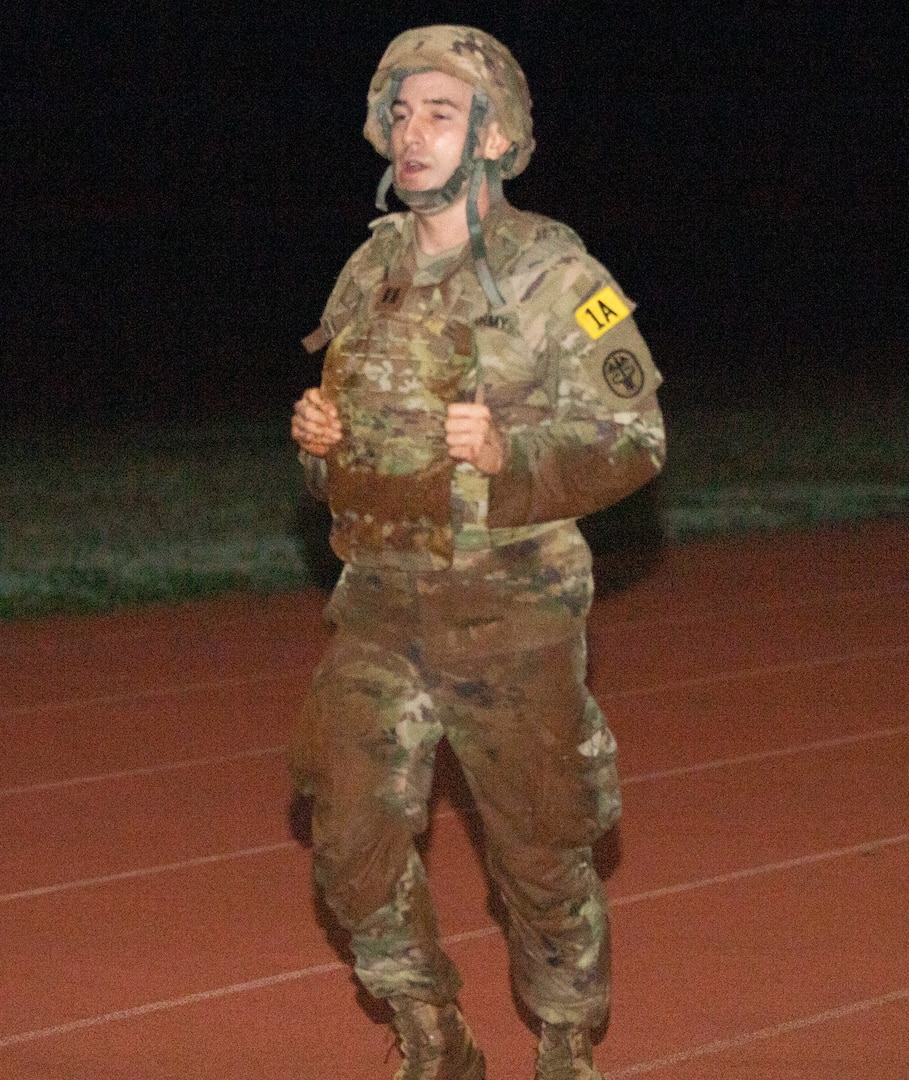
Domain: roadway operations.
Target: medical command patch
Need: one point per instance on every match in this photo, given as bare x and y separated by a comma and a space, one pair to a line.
623, 374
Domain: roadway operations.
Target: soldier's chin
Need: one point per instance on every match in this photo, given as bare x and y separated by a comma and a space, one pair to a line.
414, 181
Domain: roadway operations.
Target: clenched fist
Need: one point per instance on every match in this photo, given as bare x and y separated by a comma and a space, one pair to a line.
315, 426
472, 436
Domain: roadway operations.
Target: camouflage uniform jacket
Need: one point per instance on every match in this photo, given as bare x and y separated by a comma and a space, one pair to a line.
565, 372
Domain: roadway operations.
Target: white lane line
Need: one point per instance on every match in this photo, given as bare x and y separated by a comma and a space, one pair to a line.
146, 871
787, 603
210, 685
169, 1003
146, 770
150, 693
766, 755
438, 816
865, 848
451, 939
618, 695
285, 845
722, 1046
719, 677
139, 1011
730, 762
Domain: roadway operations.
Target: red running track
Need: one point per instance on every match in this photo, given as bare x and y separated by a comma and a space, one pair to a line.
157, 921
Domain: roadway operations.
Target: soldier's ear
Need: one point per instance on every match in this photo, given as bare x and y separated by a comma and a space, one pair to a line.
495, 144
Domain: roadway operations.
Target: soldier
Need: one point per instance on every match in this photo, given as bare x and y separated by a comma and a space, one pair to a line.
484, 386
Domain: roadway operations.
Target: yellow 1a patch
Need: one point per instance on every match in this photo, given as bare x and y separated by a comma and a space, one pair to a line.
602, 312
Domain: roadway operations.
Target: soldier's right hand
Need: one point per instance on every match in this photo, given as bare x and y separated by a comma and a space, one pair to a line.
315, 426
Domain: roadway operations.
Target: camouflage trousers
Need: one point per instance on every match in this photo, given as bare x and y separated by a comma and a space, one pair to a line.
469, 654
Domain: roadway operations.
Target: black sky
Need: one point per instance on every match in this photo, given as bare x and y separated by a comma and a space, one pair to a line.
183, 182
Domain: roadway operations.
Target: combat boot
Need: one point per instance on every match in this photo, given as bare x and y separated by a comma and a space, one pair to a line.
436, 1043
565, 1053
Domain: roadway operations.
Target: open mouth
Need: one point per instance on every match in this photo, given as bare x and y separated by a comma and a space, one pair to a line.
411, 168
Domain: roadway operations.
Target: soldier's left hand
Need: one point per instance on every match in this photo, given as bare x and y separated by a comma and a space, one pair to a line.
472, 436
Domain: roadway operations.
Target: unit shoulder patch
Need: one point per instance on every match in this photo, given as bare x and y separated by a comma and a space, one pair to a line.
604, 310
619, 368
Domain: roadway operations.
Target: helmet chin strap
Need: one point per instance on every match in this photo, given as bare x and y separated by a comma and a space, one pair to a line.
469, 173
475, 229
435, 200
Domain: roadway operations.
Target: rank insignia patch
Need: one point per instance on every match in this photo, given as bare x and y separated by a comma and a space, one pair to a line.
623, 374
602, 312
390, 297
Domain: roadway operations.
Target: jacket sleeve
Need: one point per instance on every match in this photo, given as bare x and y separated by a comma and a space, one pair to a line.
604, 436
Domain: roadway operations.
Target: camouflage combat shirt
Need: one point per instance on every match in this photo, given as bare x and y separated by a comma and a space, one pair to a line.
565, 372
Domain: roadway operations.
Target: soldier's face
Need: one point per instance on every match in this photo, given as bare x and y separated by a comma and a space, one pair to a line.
430, 116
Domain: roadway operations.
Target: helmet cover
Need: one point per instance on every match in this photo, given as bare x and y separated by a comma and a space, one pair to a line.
471, 55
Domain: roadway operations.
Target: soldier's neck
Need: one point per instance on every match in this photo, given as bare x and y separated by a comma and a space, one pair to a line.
440, 232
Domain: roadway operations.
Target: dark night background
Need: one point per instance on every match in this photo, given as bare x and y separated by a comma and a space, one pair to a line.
183, 182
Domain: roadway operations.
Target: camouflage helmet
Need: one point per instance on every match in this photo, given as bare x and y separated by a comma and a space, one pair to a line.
470, 55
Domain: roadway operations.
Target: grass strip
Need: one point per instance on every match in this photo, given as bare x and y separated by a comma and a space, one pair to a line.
131, 515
